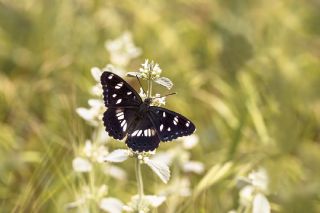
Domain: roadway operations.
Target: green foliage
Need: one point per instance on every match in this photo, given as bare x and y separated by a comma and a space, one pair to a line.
247, 73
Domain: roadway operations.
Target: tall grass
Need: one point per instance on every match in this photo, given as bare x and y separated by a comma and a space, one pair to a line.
246, 72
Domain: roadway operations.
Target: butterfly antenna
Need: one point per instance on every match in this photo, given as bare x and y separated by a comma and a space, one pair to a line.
140, 85
167, 95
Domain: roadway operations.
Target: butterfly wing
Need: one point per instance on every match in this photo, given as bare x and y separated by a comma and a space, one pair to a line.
118, 120
143, 137
170, 125
122, 102
117, 92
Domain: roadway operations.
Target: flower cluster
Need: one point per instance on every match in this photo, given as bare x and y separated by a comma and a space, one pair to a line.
150, 70
254, 189
95, 158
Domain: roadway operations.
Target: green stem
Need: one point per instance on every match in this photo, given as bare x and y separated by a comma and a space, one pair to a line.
149, 86
139, 181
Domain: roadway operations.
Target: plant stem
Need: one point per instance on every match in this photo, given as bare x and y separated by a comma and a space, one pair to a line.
139, 181
149, 86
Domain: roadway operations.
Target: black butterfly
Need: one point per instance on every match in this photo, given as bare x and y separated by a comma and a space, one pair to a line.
144, 125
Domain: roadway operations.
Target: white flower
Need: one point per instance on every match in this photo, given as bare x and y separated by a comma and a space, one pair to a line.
81, 165
122, 49
260, 204
193, 166
246, 195
141, 206
93, 114
96, 152
155, 200
115, 172
178, 187
190, 141
252, 193
96, 73
111, 205
158, 100
259, 179
151, 70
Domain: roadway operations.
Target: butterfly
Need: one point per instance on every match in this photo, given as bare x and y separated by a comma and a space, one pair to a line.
144, 125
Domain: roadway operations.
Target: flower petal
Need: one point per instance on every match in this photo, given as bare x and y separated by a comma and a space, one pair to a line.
193, 166
85, 113
115, 172
190, 141
117, 156
260, 204
81, 165
155, 200
158, 167
96, 73
111, 205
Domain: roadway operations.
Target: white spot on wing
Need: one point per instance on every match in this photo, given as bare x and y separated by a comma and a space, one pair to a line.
139, 132
129, 93
164, 114
169, 129
145, 132
121, 117
125, 127
119, 110
153, 132
134, 133
114, 95
123, 123
188, 124
161, 127
110, 76
119, 114
119, 101
119, 85
175, 120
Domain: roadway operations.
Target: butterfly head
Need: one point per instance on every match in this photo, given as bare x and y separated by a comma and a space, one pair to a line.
148, 101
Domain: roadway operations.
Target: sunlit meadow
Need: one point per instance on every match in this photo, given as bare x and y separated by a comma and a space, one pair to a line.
247, 73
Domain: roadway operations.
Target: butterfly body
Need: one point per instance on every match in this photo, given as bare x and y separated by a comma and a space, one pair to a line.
144, 125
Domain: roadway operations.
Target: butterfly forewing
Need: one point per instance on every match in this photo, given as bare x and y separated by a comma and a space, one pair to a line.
170, 125
143, 137
117, 92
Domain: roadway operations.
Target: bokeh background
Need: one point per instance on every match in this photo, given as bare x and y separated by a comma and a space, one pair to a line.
246, 72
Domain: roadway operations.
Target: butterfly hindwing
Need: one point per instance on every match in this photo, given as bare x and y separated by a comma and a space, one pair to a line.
118, 120
117, 92
143, 137
170, 125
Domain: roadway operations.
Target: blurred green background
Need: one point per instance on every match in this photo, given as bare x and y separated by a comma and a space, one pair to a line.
246, 72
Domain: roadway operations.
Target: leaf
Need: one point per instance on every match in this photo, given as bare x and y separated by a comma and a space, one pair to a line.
158, 167
111, 205
260, 204
214, 175
117, 156
166, 82
134, 74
